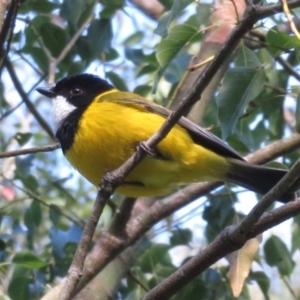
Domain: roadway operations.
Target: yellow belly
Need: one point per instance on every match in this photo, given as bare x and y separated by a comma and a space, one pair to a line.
102, 144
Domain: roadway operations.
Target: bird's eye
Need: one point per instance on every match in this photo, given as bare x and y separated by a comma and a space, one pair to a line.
76, 91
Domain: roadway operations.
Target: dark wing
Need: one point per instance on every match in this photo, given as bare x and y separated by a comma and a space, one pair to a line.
198, 134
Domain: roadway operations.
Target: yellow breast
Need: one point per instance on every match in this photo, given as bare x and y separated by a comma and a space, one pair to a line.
108, 135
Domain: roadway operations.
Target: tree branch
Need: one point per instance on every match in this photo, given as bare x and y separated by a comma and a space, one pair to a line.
220, 247
6, 27
259, 209
121, 217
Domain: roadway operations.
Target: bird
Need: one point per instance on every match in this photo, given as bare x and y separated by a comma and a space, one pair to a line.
99, 127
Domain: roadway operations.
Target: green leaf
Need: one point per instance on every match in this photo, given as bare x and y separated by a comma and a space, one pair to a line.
297, 220
133, 39
71, 10
39, 57
277, 254
117, 81
112, 54
148, 69
180, 236
203, 13
218, 214
263, 282
251, 137
76, 67
33, 215
194, 289
154, 255
296, 11
23, 138
29, 181
59, 239
272, 110
143, 90
295, 237
177, 68
108, 12
99, 36
54, 38
201, 17
23, 166
19, 289
168, 48
278, 42
163, 24
2, 245
28, 260
167, 4
41, 6
247, 58
54, 214
135, 55
118, 4
240, 85
135, 294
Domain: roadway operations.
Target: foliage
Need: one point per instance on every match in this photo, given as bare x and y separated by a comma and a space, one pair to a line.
44, 203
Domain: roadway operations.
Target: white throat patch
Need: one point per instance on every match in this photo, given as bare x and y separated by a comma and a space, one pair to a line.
61, 109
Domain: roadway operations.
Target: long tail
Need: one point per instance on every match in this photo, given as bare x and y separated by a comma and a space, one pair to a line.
259, 179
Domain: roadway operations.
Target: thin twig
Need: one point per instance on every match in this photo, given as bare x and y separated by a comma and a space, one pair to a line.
53, 62
25, 99
7, 26
14, 153
270, 10
80, 222
200, 64
281, 187
41, 43
261, 35
280, 90
24, 58
236, 11
290, 18
287, 284
288, 67
74, 39
137, 281
9, 112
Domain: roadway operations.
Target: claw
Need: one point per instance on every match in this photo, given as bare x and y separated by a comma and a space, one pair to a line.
150, 152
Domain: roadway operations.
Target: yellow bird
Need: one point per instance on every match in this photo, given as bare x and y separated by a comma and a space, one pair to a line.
100, 127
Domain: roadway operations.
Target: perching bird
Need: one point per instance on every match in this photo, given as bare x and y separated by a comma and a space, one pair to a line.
100, 127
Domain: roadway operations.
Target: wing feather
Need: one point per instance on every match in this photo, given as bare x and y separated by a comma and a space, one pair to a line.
198, 134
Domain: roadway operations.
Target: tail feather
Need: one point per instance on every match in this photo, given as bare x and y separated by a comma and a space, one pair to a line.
259, 179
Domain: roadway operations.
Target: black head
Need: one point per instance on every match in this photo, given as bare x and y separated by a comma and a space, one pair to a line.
79, 90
